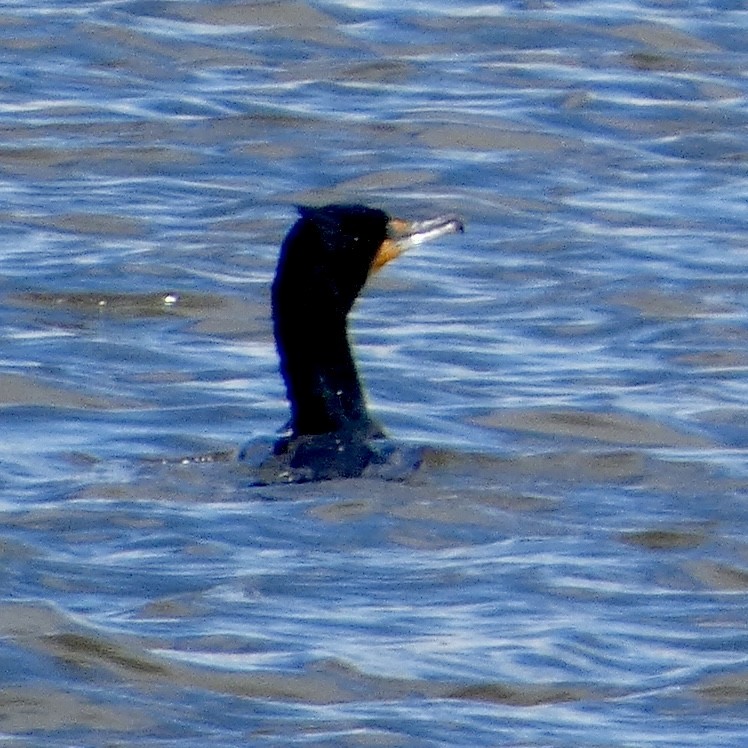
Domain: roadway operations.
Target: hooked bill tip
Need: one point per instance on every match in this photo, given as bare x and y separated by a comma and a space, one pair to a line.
410, 233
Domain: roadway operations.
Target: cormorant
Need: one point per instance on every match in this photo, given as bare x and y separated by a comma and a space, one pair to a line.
324, 263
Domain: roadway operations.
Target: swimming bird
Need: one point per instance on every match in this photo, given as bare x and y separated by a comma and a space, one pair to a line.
325, 261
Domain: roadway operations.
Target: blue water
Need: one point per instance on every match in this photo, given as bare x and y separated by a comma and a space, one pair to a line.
569, 567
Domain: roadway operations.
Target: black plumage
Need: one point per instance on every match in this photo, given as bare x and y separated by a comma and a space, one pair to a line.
324, 263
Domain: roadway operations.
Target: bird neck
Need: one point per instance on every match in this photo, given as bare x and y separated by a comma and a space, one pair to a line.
322, 383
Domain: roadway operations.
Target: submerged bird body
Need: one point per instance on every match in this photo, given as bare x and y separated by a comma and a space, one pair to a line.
324, 263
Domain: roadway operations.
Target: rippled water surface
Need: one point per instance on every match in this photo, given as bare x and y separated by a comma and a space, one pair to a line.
569, 566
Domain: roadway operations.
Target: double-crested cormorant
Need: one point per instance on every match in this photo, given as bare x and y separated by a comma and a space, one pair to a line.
324, 263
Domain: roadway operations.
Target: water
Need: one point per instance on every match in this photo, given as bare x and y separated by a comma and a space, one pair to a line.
569, 566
